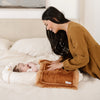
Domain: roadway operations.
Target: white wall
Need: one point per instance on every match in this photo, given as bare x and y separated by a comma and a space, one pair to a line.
91, 17
68, 7
97, 20
21, 13
85, 11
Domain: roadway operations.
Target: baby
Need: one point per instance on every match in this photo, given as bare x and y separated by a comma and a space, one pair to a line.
29, 67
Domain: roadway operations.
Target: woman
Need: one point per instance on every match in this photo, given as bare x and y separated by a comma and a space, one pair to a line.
73, 42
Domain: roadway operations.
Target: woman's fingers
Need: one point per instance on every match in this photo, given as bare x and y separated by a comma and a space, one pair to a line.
51, 68
51, 65
54, 62
41, 60
55, 66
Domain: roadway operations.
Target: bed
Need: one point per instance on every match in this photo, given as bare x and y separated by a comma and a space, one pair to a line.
15, 37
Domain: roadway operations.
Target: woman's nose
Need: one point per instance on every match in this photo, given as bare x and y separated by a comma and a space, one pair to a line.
49, 29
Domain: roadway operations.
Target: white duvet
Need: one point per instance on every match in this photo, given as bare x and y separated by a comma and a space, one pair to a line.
10, 58
89, 88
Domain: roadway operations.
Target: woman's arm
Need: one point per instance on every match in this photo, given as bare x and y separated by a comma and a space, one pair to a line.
79, 49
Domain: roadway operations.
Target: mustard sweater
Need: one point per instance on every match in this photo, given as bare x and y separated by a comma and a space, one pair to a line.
84, 49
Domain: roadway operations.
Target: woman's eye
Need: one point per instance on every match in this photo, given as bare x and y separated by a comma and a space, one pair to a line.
46, 24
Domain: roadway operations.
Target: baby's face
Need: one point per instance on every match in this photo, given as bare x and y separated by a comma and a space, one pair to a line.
22, 67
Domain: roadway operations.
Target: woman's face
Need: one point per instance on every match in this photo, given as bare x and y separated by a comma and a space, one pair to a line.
51, 26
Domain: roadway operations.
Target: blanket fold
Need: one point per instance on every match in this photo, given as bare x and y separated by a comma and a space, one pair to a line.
58, 78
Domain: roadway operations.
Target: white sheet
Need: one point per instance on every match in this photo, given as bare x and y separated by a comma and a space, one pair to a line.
89, 88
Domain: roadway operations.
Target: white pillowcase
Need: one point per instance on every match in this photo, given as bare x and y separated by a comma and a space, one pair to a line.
33, 46
5, 44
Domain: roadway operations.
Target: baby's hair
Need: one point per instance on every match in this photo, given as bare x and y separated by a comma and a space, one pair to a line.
16, 69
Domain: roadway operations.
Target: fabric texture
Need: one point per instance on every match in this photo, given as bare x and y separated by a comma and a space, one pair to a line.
84, 49
89, 86
8, 60
58, 78
5, 44
33, 46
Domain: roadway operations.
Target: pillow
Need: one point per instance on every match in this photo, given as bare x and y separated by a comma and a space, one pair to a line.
33, 46
5, 44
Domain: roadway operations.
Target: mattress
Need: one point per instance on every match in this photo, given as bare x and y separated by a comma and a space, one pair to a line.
88, 89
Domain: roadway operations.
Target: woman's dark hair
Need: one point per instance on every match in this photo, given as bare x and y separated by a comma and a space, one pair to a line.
58, 41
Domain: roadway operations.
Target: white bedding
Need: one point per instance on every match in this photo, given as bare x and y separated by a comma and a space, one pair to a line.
89, 88
19, 52
11, 58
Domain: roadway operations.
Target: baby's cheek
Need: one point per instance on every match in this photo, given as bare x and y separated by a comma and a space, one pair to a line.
27, 68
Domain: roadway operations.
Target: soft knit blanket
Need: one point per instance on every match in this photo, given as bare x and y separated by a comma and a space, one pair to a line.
58, 78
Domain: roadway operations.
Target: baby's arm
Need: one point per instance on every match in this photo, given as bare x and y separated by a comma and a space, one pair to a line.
33, 66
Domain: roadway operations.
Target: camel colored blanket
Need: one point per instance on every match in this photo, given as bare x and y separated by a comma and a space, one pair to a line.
58, 78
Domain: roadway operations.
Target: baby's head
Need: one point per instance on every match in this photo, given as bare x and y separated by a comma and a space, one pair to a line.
16, 69
21, 68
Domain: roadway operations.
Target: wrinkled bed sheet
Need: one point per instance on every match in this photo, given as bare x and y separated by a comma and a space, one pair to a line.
88, 89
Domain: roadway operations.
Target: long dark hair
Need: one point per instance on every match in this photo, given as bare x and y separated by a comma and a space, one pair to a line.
58, 41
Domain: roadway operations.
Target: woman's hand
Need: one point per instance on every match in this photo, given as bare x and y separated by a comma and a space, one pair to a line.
55, 66
54, 62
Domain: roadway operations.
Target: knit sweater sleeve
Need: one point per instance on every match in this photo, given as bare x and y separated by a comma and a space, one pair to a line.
79, 48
